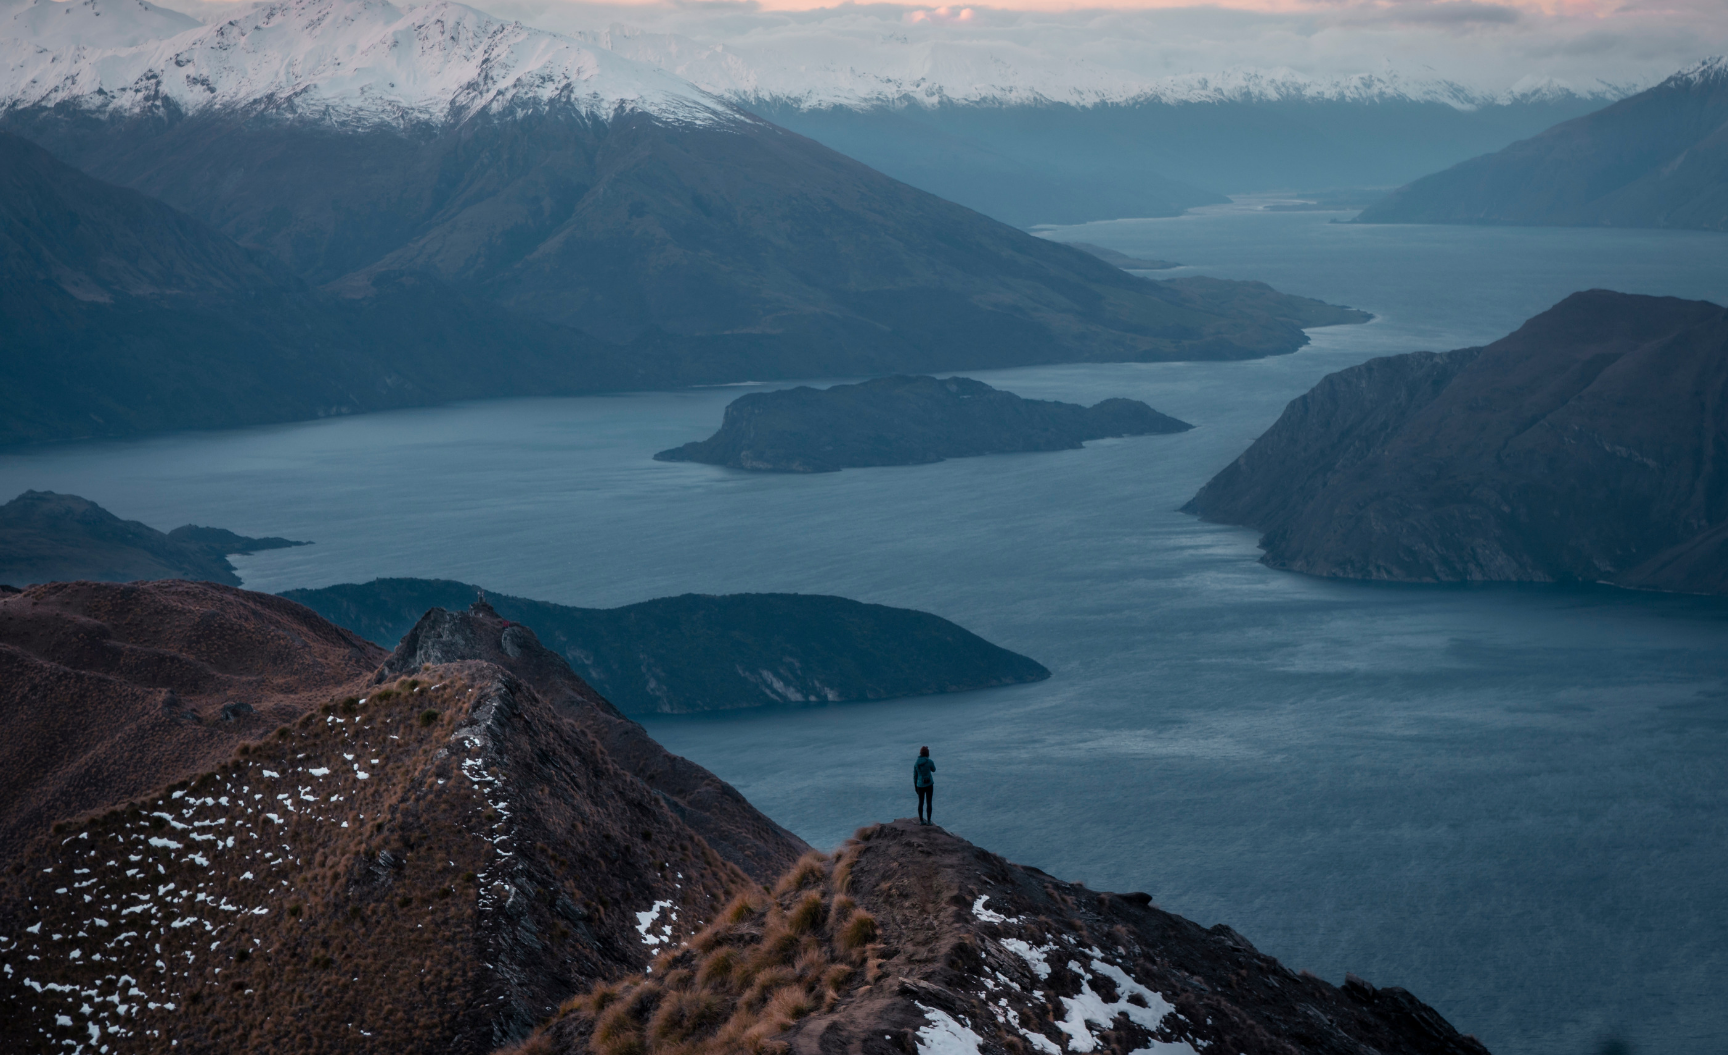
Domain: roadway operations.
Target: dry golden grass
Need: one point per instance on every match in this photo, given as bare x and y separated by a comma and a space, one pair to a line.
767, 961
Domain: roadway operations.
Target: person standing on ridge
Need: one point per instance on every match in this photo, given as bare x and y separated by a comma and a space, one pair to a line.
924, 783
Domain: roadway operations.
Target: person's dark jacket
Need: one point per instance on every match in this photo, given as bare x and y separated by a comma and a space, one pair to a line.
922, 771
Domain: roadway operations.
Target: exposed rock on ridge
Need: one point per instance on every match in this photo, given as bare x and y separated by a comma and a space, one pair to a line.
710, 806
1587, 446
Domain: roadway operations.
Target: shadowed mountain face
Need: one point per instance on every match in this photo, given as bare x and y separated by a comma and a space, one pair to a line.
121, 315
700, 652
46, 536
910, 939
713, 252
903, 421
1657, 159
1588, 446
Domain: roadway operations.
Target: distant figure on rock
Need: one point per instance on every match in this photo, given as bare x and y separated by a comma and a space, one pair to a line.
924, 783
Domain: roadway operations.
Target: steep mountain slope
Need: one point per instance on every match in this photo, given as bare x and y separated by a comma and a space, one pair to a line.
1587, 446
469, 829
112, 691
903, 421
119, 315
45, 537
358, 142
910, 939
1657, 159
703, 652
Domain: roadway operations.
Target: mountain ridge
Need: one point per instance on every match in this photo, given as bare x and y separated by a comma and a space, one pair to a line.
1655, 159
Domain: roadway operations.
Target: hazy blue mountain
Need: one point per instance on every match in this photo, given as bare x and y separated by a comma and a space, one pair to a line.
1056, 163
1657, 159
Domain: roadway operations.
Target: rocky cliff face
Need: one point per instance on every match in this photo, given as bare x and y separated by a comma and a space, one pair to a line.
909, 939
1657, 159
1585, 447
903, 421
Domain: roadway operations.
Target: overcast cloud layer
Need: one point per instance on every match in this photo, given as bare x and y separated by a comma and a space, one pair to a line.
1588, 46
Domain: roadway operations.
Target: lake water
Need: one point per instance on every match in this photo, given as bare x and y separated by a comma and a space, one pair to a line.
1513, 801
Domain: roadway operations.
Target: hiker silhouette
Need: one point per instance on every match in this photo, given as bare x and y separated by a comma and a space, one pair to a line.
924, 783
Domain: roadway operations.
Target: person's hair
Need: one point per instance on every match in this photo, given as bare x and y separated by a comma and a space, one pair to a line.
924, 751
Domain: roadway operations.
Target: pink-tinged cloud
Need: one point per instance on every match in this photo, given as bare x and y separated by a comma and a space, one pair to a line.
943, 15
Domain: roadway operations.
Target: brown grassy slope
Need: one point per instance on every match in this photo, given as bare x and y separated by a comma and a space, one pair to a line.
912, 938
431, 868
109, 691
741, 833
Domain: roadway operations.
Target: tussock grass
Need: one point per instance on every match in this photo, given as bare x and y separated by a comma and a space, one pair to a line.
768, 960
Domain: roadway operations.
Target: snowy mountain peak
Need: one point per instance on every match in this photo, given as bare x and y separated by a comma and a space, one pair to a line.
60, 25
1714, 68
816, 67
347, 62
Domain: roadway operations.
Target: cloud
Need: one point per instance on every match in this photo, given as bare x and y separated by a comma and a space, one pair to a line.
943, 15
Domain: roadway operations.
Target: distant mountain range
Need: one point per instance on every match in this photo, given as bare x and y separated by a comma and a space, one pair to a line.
1588, 446
1022, 133
1657, 159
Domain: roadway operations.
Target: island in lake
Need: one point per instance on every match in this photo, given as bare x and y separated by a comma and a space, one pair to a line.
905, 421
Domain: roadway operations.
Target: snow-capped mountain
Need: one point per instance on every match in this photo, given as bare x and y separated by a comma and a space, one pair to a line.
817, 70
348, 62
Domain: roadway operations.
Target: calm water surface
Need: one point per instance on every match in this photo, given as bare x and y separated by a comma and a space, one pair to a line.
1509, 800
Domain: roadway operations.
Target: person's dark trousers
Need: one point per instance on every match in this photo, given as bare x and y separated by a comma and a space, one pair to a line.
926, 802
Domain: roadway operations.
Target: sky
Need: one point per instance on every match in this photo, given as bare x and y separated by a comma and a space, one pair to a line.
1628, 44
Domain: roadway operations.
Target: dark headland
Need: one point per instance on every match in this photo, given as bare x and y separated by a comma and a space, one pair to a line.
705, 652
904, 421
46, 536
503, 861
1588, 446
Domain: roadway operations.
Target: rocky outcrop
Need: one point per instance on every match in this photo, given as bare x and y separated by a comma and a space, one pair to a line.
1657, 159
1588, 446
903, 421
909, 939
703, 652
47, 537
742, 834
